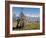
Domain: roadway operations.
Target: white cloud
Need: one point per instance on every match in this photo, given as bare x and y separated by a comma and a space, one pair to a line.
17, 15
32, 15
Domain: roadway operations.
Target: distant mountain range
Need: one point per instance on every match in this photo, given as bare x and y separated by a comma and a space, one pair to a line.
31, 18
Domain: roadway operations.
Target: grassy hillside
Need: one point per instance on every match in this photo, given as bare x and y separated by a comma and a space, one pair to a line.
30, 26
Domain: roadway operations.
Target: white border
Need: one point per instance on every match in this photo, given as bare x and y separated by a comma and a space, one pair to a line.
27, 31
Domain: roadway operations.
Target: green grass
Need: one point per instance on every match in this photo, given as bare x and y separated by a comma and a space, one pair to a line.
31, 26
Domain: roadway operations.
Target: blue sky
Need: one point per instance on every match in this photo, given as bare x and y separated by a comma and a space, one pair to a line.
33, 12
